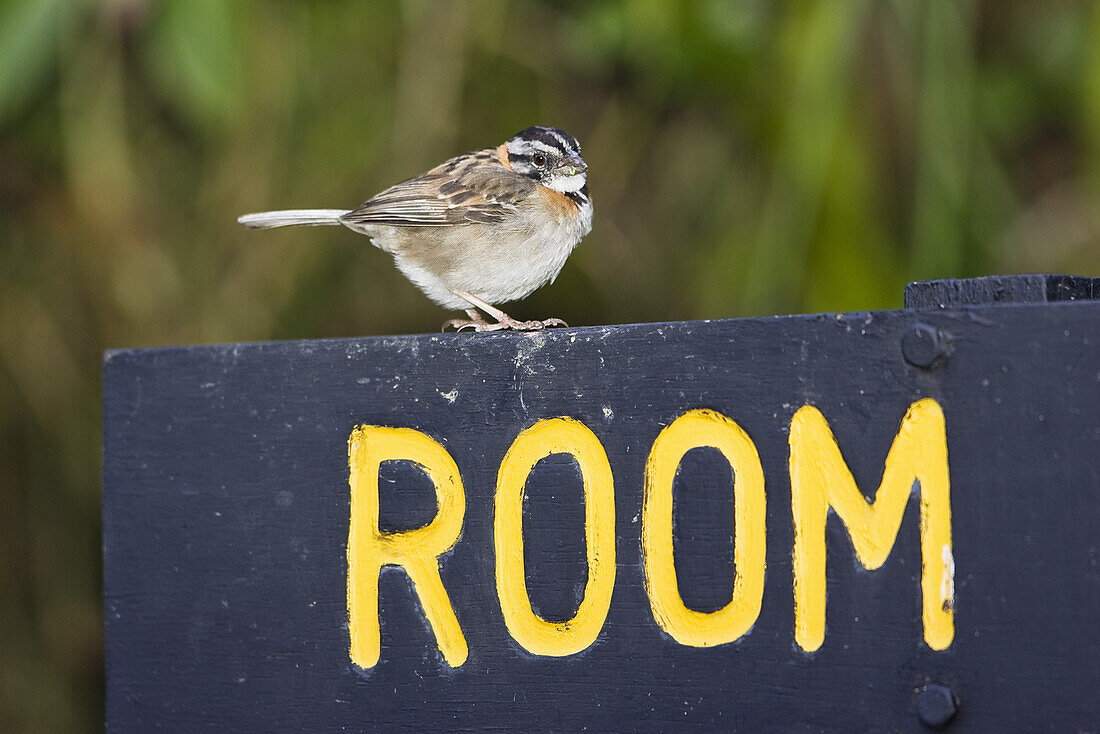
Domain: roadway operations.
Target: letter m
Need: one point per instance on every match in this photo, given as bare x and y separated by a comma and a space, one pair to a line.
820, 480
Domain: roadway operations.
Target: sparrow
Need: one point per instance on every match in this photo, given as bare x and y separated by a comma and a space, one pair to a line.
478, 230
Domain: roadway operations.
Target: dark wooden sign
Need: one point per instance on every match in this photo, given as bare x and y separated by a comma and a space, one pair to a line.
871, 521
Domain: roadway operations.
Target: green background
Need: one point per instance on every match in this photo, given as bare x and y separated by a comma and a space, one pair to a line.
746, 158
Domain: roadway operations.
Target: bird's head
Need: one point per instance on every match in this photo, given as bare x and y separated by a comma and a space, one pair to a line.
550, 156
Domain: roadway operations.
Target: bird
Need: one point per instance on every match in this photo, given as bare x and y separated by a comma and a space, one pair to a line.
481, 229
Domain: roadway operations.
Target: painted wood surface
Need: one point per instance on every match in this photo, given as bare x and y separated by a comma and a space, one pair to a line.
227, 512
1026, 288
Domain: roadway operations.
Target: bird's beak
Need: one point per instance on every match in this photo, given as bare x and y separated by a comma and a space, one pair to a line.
572, 165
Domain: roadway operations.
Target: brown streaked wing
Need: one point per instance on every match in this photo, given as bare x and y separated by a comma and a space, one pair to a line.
472, 188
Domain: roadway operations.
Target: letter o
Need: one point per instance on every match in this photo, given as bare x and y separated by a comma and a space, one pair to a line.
537, 635
694, 429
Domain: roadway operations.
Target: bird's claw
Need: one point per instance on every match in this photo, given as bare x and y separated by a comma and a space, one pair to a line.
464, 324
502, 325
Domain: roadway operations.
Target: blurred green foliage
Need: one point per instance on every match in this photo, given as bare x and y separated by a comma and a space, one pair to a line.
745, 158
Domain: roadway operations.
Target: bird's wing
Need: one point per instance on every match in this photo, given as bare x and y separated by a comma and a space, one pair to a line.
472, 188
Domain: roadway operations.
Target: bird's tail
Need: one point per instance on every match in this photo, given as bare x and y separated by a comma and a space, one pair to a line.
291, 217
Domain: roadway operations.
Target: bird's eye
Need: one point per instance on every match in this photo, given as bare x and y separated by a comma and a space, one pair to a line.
538, 159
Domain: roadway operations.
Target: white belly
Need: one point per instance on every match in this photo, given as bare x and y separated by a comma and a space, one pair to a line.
495, 262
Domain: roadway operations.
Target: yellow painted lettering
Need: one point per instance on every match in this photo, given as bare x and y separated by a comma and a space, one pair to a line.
416, 551
536, 635
694, 429
820, 479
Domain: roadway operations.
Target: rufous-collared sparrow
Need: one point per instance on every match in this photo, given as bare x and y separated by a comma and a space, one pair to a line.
481, 229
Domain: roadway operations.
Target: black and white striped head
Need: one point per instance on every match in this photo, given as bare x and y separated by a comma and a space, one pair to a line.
550, 156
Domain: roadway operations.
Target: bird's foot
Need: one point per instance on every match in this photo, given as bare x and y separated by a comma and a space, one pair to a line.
475, 322
507, 322
466, 324
503, 320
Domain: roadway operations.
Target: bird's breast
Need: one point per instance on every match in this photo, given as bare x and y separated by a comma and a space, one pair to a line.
498, 261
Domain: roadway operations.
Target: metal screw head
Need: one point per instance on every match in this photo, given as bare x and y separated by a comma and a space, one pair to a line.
923, 345
936, 705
